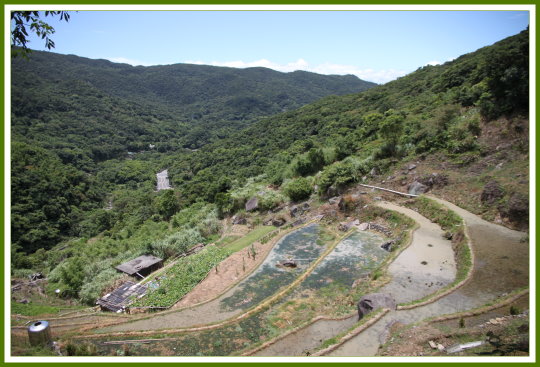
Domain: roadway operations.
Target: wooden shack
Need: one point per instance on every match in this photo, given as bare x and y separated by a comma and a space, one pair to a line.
121, 297
141, 266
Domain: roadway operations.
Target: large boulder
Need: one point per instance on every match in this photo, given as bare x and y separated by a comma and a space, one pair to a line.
238, 220
491, 192
252, 204
294, 211
388, 245
334, 200
36, 276
278, 222
434, 180
288, 264
517, 208
345, 226
364, 226
374, 301
417, 188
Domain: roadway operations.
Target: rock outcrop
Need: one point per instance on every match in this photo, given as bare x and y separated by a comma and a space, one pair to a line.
276, 222
299, 209
517, 208
491, 192
345, 226
252, 204
417, 188
374, 301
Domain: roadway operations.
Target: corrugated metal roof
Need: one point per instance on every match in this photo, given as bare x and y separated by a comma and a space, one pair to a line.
142, 262
122, 296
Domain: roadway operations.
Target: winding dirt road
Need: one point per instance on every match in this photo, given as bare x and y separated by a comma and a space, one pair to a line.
501, 266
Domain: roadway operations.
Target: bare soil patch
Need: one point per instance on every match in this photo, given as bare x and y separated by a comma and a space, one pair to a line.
229, 272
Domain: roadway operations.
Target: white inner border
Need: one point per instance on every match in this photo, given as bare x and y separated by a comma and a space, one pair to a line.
7, 189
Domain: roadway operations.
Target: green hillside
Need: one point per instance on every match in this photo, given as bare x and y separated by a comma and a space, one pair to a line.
465, 121
435, 109
93, 116
171, 106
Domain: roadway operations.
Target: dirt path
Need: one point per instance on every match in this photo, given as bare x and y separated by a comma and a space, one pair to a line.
163, 180
501, 266
426, 265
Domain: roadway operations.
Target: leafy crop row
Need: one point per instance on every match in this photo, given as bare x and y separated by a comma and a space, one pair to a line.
179, 279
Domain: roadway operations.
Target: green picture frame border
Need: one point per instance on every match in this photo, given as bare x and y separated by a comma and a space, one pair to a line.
244, 2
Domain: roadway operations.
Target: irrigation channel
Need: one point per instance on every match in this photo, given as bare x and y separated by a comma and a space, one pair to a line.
500, 266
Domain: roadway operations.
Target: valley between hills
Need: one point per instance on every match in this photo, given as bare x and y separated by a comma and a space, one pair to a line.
290, 214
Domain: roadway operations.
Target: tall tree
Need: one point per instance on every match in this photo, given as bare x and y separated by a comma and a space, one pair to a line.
25, 21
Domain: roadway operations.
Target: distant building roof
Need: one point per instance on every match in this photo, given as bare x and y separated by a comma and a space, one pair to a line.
140, 263
122, 296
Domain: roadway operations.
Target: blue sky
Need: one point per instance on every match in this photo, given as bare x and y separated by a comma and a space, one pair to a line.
374, 45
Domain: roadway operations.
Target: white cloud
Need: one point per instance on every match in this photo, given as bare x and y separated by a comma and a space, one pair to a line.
435, 62
380, 76
123, 60
377, 76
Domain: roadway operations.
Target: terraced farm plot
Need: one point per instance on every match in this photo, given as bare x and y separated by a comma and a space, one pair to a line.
300, 245
217, 342
180, 278
237, 243
333, 288
354, 257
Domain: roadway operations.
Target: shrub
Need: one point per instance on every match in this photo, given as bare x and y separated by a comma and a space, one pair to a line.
309, 163
176, 243
514, 310
270, 199
298, 189
339, 174
91, 291
210, 225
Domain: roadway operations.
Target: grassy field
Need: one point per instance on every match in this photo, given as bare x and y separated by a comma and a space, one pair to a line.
248, 239
227, 240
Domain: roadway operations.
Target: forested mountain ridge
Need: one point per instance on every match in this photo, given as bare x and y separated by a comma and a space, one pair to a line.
415, 114
199, 102
78, 119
